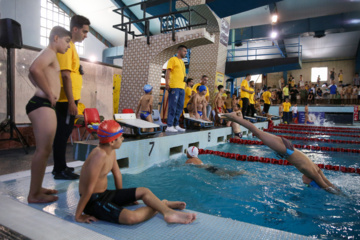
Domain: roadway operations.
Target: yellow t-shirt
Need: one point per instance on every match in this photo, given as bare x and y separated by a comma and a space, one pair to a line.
177, 73
244, 84
286, 91
340, 77
198, 84
286, 106
266, 97
240, 103
70, 61
292, 83
251, 96
188, 92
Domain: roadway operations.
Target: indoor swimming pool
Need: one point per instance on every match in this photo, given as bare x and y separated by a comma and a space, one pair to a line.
268, 195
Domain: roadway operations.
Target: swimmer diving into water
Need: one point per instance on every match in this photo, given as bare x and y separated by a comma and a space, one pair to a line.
284, 148
192, 154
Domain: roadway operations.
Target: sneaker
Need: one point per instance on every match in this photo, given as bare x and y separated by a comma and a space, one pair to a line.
66, 175
180, 129
171, 129
71, 169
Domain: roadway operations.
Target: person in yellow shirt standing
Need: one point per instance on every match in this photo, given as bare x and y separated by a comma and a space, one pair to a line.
286, 111
245, 94
267, 103
188, 93
66, 107
286, 91
175, 83
251, 110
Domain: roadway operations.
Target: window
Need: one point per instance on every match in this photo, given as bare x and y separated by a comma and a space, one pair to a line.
321, 71
256, 78
50, 16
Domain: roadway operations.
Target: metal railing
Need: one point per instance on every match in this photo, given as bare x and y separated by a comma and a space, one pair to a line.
254, 53
169, 18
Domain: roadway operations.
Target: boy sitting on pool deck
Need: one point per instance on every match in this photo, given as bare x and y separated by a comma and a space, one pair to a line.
99, 203
192, 154
44, 75
285, 149
145, 105
197, 104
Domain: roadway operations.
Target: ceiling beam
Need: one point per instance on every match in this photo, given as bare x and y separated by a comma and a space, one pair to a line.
128, 13
71, 13
343, 22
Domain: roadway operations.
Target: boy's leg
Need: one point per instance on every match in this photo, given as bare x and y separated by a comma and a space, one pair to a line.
44, 126
150, 119
154, 204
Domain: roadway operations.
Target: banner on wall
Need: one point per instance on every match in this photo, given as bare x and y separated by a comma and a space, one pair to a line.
116, 92
314, 117
356, 113
224, 32
219, 80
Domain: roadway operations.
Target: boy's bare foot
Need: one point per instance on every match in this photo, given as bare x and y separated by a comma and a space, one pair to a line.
179, 217
42, 198
48, 191
175, 204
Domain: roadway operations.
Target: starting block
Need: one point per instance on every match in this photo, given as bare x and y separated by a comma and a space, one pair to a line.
273, 117
190, 122
133, 125
251, 119
260, 118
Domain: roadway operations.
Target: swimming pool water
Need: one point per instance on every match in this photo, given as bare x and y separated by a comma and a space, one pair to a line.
268, 195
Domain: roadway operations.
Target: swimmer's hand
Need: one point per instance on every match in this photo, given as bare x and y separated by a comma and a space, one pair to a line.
53, 99
233, 116
86, 218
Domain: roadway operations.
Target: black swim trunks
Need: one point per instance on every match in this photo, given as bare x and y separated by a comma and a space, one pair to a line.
211, 169
289, 149
239, 134
37, 102
107, 205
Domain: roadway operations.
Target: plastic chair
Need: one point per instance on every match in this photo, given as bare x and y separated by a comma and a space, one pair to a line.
127, 110
157, 119
92, 121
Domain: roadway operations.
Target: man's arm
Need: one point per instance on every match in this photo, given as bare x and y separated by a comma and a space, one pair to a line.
37, 74
138, 107
95, 164
65, 75
151, 104
167, 79
117, 174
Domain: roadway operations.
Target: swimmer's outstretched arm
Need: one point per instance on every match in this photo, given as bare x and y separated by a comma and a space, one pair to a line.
272, 141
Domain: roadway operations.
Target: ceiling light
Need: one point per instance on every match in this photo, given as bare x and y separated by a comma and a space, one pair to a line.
92, 58
274, 18
273, 34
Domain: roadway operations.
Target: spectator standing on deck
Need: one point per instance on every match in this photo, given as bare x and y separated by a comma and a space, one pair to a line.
340, 77
175, 83
333, 90
70, 94
356, 80
303, 95
286, 91
332, 75
188, 93
245, 94
286, 111
293, 93
301, 82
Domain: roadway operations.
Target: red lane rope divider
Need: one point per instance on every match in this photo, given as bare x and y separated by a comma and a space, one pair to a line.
319, 127
319, 139
239, 157
311, 133
310, 147
315, 129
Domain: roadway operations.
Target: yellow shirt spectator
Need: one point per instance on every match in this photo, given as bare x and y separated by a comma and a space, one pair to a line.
286, 91
188, 92
198, 84
286, 106
244, 84
251, 96
292, 83
240, 103
177, 74
70, 61
266, 97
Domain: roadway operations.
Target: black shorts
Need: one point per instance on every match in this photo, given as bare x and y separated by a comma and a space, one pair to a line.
107, 206
266, 108
37, 102
211, 169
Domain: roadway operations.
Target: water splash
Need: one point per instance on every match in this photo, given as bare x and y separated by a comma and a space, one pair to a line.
319, 121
